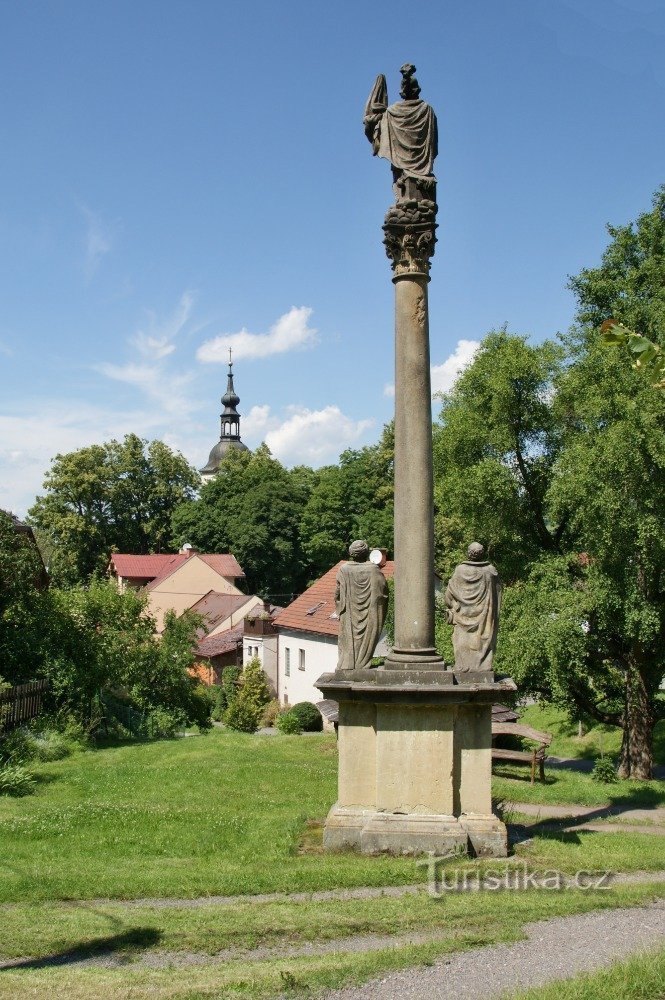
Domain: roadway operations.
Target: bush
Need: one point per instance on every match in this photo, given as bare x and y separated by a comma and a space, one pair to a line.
270, 713
219, 705
51, 745
230, 684
163, 723
16, 780
289, 724
308, 716
242, 716
17, 747
255, 686
604, 770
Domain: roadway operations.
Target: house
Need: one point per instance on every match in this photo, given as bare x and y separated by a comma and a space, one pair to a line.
175, 582
246, 633
308, 629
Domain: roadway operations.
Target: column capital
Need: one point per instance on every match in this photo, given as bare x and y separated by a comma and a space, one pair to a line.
409, 237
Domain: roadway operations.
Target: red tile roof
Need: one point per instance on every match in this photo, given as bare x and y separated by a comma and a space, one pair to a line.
159, 566
215, 607
312, 611
224, 642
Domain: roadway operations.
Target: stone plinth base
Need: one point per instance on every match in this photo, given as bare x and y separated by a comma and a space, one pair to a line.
415, 759
415, 833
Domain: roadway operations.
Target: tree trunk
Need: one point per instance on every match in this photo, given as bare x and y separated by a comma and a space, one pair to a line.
636, 759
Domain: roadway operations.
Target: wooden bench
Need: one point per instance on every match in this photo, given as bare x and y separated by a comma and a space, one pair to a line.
533, 757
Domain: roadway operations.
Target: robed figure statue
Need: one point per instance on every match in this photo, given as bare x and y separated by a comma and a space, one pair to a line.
361, 599
406, 134
473, 599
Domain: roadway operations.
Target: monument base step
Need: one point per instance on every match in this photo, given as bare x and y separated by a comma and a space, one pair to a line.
374, 832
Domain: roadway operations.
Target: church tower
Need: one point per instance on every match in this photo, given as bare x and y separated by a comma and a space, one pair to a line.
230, 429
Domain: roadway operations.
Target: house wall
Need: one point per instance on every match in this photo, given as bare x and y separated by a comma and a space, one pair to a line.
185, 587
320, 658
265, 648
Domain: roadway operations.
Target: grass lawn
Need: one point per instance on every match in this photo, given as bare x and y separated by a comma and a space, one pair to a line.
227, 814
641, 978
600, 740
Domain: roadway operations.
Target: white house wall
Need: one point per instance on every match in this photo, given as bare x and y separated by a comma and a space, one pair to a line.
265, 648
320, 657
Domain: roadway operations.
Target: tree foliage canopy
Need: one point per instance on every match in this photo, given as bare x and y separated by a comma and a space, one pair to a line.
118, 496
554, 457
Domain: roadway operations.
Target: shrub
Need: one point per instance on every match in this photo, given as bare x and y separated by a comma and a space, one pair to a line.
230, 684
270, 713
242, 716
604, 770
52, 745
308, 716
254, 688
289, 724
16, 780
163, 723
219, 705
17, 747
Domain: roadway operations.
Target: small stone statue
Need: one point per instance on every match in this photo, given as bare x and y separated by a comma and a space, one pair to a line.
361, 599
473, 599
406, 134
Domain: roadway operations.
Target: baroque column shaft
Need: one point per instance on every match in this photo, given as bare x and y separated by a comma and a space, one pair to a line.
414, 521
409, 239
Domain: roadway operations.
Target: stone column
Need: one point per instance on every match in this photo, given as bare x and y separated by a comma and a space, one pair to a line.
409, 239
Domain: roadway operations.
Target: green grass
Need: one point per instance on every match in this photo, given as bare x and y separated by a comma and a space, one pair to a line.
511, 783
639, 978
227, 814
215, 814
65, 930
598, 741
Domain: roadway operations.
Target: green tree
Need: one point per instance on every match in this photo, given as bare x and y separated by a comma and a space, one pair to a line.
251, 508
118, 496
351, 500
21, 574
495, 443
560, 470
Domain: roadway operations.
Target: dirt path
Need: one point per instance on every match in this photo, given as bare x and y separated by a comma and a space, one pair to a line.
555, 949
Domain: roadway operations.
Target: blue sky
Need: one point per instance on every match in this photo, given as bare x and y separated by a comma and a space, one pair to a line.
179, 172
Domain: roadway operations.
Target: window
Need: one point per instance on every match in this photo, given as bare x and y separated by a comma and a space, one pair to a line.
301, 659
287, 662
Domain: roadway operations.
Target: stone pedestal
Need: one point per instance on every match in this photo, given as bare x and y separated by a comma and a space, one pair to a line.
414, 762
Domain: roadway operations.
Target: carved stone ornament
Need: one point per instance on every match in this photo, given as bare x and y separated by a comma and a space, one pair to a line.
409, 236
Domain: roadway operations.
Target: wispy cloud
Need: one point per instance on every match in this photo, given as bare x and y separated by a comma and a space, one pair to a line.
151, 374
98, 239
158, 340
291, 332
445, 375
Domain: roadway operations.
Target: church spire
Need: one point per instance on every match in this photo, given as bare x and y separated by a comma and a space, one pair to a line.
230, 427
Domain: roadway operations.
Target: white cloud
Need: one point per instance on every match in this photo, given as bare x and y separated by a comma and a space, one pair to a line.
445, 375
256, 422
98, 240
313, 437
290, 333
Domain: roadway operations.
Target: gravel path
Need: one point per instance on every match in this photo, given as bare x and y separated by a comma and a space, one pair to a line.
555, 949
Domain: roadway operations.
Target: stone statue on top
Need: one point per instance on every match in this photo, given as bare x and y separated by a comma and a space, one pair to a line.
361, 599
404, 133
473, 600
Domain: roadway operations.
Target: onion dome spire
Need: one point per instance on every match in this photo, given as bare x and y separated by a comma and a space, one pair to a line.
230, 427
